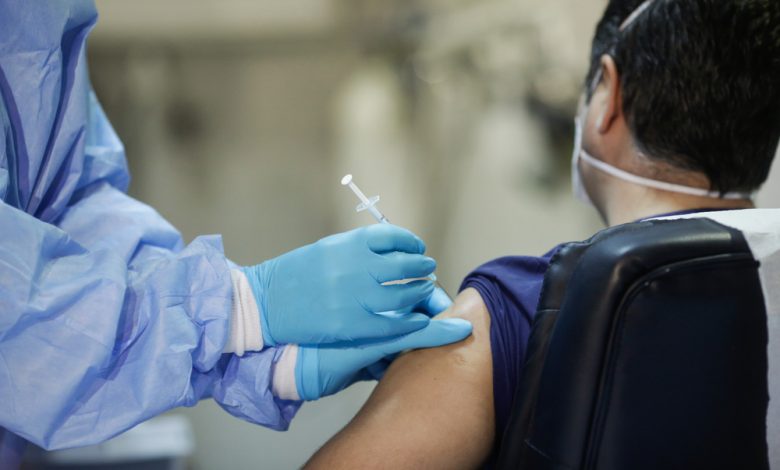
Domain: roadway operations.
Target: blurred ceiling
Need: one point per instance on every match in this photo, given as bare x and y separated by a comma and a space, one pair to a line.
188, 20
512, 48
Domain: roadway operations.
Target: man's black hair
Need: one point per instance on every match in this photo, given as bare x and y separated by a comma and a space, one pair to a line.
700, 82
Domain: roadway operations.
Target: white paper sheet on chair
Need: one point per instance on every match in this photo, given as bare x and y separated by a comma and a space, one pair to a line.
761, 228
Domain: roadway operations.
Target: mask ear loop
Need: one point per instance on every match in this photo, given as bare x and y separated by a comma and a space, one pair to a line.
623, 26
635, 14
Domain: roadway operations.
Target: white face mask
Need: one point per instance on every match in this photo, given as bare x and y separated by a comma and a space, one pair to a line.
578, 187
581, 193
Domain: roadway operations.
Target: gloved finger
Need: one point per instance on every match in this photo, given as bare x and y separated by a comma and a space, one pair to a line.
365, 375
384, 326
385, 238
397, 266
434, 304
381, 298
410, 309
377, 370
437, 333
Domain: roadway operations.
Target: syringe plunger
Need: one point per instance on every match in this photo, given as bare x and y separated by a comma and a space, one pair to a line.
366, 203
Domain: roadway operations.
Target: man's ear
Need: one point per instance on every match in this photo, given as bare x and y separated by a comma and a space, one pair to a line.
612, 100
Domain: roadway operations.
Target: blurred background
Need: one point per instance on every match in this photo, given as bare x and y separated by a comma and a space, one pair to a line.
240, 117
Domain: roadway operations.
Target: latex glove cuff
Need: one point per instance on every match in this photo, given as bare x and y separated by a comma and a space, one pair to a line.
258, 288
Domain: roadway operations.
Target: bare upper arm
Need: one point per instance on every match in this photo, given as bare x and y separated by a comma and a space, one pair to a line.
432, 409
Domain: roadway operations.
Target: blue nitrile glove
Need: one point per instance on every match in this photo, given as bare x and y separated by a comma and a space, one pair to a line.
432, 305
325, 370
331, 290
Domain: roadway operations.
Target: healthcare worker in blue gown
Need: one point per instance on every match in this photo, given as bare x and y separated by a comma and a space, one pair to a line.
107, 319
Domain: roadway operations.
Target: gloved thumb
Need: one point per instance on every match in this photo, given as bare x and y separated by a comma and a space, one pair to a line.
437, 333
377, 370
435, 303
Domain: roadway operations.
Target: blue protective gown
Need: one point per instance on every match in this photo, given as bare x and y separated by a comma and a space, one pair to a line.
106, 318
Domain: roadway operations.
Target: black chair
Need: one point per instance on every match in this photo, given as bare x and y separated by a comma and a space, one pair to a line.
648, 351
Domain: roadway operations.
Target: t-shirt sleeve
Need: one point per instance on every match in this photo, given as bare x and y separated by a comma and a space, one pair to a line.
510, 288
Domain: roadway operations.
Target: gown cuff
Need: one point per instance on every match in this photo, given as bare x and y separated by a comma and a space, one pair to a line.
283, 382
246, 333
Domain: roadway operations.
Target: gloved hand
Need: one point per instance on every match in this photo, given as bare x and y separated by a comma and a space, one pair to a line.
325, 370
331, 290
432, 305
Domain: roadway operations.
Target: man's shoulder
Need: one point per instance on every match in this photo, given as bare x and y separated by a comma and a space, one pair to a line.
511, 269
510, 285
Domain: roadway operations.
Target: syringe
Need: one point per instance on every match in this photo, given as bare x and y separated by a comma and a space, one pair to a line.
369, 204
365, 203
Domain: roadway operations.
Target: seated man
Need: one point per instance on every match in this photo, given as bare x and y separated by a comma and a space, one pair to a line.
681, 113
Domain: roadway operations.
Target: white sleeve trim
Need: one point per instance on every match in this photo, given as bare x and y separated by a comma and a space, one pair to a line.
283, 381
246, 334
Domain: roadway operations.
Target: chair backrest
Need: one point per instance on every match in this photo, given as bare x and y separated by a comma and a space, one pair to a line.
648, 351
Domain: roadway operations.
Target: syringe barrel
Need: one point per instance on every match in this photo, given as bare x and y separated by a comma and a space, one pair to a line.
359, 193
378, 215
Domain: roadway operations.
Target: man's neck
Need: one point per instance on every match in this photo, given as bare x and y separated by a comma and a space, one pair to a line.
635, 203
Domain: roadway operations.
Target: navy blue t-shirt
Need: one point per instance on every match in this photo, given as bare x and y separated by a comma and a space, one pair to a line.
510, 288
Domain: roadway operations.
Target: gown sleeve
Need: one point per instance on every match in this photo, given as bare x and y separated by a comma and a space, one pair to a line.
106, 317
107, 320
